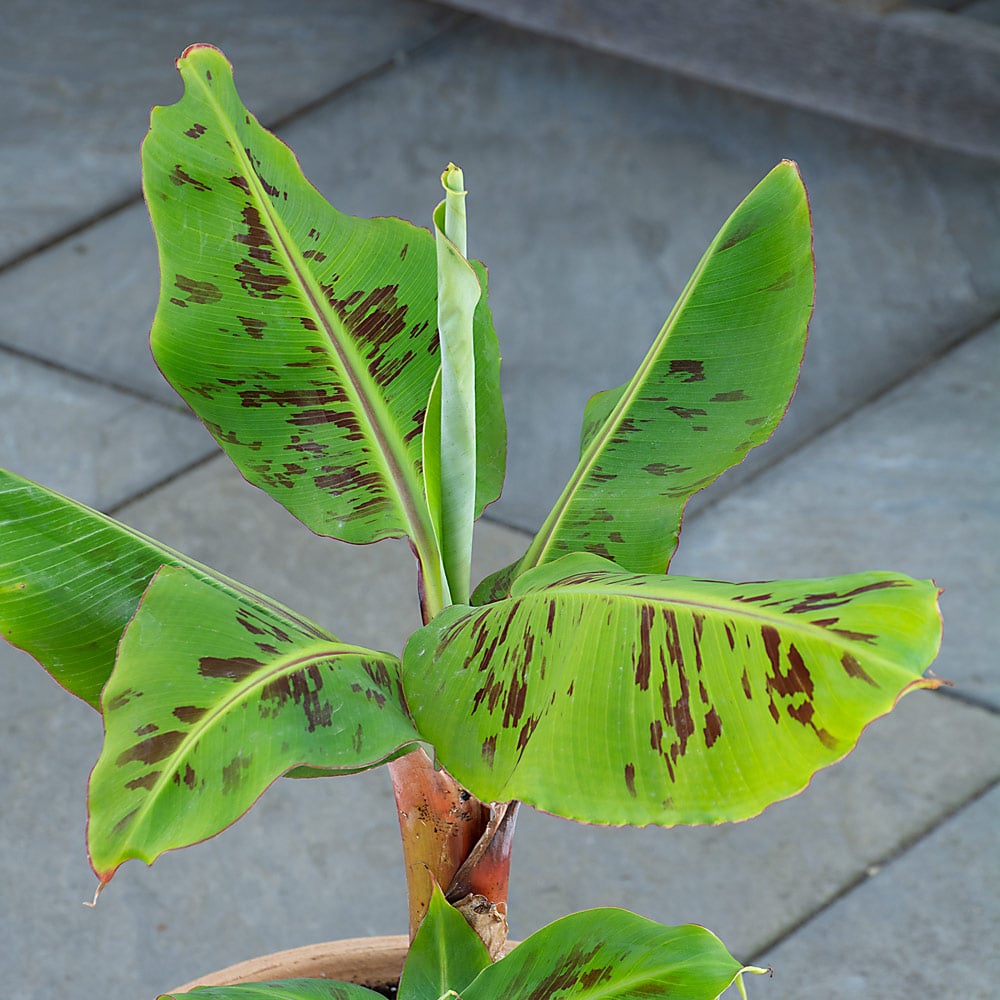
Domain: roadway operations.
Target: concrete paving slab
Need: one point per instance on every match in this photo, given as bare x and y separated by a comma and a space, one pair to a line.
87, 441
320, 859
583, 273
88, 303
909, 483
879, 62
925, 925
79, 80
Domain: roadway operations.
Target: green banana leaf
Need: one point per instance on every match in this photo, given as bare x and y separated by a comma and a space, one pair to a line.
280, 989
612, 697
608, 952
213, 697
305, 339
71, 579
715, 383
446, 954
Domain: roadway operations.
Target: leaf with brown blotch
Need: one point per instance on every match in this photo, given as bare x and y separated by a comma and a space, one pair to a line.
305, 339
613, 697
212, 698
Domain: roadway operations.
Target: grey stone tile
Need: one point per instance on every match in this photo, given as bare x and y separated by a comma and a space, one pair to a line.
79, 80
909, 483
925, 925
88, 304
94, 315
983, 10
92, 443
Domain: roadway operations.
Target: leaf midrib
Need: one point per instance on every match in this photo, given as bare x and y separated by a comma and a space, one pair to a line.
736, 609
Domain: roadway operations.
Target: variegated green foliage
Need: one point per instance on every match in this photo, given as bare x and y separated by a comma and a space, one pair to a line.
281, 989
304, 338
613, 697
446, 954
715, 383
71, 579
212, 698
605, 953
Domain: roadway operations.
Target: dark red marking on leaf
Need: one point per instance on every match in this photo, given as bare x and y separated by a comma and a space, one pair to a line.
854, 669
713, 727
188, 713
527, 730
180, 178
730, 636
255, 163
754, 421
234, 773
693, 370
745, 681
189, 778
489, 750
255, 283
145, 730
257, 238
686, 413
738, 236
781, 283
146, 781
123, 823
253, 326
296, 687
656, 735
562, 981
867, 637
644, 661
595, 977
196, 131
736, 396
803, 714
152, 749
240, 182
598, 549
199, 292
699, 427
266, 647
121, 699
230, 668
630, 779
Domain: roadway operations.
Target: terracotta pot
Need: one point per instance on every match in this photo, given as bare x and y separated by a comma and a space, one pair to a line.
375, 962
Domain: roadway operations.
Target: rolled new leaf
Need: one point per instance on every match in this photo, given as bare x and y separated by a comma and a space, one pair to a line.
212, 698
454, 398
613, 697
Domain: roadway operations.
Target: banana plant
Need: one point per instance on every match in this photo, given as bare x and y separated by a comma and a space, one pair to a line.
350, 369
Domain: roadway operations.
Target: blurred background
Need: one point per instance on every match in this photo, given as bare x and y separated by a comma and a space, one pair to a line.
603, 145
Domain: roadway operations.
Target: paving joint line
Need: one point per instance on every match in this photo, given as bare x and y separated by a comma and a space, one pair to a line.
115, 509
450, 22
872, 870
17, 352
